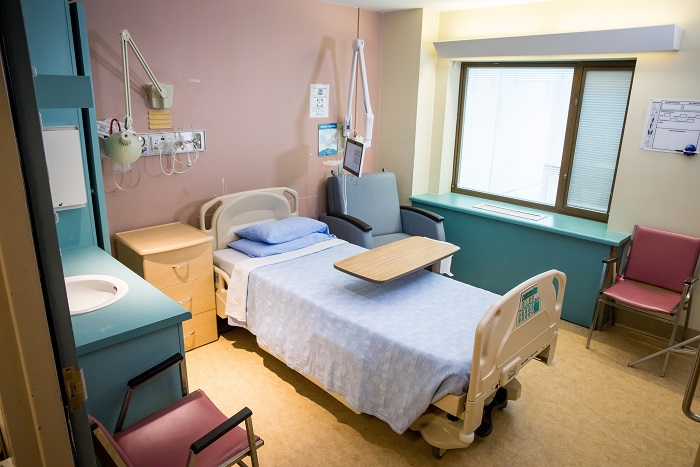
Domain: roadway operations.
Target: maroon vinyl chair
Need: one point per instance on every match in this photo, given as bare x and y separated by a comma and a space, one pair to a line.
656, 279
189, 432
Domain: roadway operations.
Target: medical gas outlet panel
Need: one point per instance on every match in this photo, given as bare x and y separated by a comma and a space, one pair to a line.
169, 142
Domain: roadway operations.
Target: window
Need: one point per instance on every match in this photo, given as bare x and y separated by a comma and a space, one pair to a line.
545, 135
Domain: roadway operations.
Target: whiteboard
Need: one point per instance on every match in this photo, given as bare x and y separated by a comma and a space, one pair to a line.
671, 125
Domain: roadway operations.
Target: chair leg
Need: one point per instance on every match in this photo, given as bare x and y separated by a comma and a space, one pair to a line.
251, 442
673, 348
593, 321
688, 304
670, 343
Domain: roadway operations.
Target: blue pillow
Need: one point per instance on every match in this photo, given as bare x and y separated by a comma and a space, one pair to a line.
262, 249
283, 230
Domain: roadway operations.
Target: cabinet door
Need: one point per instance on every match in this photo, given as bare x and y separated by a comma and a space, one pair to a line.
107, 371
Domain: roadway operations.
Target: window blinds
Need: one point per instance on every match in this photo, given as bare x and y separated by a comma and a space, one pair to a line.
597, 144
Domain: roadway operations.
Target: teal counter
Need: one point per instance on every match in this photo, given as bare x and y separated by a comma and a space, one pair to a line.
144, 309
119, 341
499, 251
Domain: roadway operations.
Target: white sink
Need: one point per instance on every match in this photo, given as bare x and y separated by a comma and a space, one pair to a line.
92, 292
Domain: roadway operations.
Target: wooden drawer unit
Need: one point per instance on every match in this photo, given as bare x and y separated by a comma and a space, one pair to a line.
177, 259
178, 266
196, 296
200, 330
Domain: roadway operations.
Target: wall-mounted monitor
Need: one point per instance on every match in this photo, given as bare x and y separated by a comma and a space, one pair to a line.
354, 157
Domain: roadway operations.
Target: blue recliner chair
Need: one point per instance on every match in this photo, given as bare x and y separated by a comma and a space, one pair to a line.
374, 216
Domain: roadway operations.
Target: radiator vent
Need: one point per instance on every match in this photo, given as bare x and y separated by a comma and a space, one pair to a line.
510, 212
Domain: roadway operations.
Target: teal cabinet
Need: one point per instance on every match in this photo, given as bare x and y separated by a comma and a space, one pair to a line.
107, 370
59, 54
119, 341
498, 252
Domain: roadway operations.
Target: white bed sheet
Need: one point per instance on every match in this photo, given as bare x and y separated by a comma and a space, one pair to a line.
227, 259
238, 268
390, 349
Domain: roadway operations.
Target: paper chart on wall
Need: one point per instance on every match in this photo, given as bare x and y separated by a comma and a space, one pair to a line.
318, 104
671, 125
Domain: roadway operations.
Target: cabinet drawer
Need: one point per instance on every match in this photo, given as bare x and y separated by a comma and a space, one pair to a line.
200, 329
178, 266
196, 296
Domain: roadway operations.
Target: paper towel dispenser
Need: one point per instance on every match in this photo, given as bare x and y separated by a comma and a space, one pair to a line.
64, 159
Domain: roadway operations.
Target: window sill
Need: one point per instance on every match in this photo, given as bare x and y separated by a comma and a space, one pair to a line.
557, 223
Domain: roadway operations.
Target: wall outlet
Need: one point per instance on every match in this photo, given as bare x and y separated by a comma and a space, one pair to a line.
174, 141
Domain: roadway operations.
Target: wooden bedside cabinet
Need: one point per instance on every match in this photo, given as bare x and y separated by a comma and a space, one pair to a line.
177, 259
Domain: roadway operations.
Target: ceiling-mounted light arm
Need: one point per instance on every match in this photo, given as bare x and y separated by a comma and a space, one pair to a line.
358, 47
127, 40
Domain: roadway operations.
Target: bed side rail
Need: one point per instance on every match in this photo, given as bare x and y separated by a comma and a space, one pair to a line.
221, 281
518, 327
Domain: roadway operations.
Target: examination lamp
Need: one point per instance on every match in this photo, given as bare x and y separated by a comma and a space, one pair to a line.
125, 146
358, 47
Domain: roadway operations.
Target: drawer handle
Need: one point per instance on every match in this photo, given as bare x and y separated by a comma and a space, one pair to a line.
181, 266
185, 301
189, 335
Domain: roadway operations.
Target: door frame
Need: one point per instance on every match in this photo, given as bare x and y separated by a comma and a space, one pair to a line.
40, 334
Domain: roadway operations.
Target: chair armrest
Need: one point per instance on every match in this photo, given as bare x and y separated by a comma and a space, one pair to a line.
154, 371
429, 214
690, 281
206, 440
133, 383
349, 228
415, 221
609, 260
365, 227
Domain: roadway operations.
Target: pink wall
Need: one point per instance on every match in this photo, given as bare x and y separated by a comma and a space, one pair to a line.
241, 71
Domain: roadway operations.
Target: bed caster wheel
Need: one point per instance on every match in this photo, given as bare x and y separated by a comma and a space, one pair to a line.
438, 453
500, 401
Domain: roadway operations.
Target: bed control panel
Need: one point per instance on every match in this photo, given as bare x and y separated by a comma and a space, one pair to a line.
529, 305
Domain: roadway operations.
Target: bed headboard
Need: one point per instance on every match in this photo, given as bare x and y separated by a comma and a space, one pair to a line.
238, 210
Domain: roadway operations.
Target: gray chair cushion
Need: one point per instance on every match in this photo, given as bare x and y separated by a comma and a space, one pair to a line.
373, 198
385, 239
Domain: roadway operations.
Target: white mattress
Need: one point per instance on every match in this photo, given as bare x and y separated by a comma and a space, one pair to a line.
227, 258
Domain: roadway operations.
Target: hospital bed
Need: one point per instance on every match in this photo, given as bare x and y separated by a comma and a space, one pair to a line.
423, 352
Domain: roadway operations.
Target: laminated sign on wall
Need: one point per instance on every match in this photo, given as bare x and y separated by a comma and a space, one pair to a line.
672, 125
318, 107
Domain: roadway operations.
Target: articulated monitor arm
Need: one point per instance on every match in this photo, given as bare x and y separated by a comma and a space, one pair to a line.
127, 40
358, 47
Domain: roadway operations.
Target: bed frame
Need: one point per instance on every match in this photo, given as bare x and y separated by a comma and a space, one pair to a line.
520, 326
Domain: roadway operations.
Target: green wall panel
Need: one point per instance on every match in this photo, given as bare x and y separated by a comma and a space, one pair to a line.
61, 96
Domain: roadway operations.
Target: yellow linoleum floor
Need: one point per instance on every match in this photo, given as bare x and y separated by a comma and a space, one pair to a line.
590, 409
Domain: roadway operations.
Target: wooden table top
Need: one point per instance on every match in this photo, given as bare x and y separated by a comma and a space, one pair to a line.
396, 259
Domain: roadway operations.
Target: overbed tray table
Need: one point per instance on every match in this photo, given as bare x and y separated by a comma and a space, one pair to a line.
396, 259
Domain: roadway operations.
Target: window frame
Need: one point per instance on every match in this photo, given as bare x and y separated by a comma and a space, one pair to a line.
581, 68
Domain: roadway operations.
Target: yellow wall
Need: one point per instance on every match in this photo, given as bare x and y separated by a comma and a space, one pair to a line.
652, 188
401, 46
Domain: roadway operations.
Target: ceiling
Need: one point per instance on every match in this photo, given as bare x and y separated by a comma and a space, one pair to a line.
386, 6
